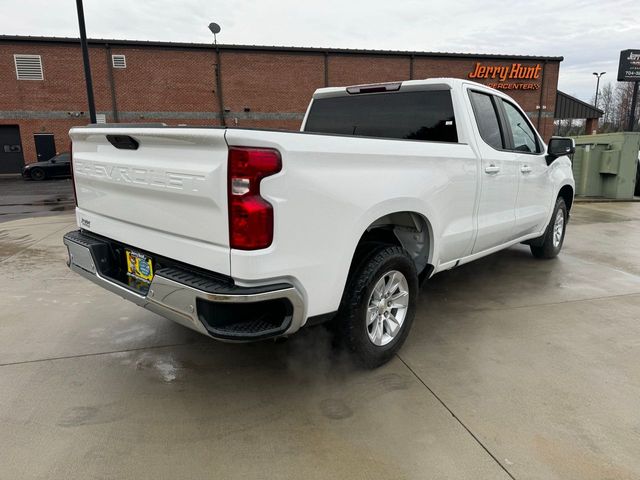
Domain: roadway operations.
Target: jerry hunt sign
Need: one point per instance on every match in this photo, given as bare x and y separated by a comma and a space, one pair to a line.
629, 66
506, 74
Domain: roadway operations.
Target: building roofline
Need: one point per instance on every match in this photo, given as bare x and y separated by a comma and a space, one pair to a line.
574, 99
274, 48
584, 104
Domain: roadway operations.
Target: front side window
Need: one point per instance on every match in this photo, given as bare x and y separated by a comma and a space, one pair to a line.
524, 138
487, 119
421, 115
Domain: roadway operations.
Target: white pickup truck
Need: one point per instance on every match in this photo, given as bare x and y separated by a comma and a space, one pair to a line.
246, 234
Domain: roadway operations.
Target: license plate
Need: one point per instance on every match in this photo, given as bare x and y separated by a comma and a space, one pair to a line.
139, 266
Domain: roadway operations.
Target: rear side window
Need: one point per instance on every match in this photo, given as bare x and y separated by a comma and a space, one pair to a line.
487, 119
424, 115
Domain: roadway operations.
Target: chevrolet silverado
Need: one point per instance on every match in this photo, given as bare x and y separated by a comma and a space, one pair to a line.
246, 234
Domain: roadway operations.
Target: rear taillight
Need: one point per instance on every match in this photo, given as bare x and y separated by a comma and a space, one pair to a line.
250, 215
73, 178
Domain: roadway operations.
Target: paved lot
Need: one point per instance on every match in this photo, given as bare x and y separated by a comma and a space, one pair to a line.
516, 368
24, 198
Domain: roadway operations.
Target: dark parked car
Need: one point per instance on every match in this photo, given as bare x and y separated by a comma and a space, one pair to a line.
58, 166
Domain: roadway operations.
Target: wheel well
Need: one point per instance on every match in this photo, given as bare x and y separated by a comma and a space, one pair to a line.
408, 230
566, 193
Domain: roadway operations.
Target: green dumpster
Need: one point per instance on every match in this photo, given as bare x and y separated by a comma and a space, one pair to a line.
604, 165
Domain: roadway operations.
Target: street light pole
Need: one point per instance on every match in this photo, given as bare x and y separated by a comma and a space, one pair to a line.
597, 86
85, 60
215, 29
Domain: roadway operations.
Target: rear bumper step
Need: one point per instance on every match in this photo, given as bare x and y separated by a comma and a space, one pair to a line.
209, 304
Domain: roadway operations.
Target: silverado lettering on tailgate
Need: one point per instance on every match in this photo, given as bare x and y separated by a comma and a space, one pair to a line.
139, 176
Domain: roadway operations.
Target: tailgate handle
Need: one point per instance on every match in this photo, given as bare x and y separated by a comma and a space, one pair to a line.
123, 142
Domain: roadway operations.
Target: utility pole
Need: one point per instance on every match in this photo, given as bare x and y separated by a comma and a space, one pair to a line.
85, 60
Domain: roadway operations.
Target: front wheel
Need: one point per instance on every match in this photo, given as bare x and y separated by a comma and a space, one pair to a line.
38, 174
551, 242
378, 305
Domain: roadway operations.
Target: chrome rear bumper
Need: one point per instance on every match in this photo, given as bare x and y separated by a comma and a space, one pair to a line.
186, 304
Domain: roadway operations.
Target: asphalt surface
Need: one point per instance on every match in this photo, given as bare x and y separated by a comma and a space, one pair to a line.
26, 198
515, 368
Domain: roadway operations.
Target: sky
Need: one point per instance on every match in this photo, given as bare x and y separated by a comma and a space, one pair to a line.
588, 34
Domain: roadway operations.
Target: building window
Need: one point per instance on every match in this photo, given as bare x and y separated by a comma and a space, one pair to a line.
118, 61
28, 67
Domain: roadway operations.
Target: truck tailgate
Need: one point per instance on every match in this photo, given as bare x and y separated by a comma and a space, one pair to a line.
168, 196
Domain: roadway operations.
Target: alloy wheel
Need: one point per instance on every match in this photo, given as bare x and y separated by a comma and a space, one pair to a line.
387, 308
558, 228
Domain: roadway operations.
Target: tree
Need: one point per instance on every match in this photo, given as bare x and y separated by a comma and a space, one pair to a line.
606, 103
616, 103
614, 99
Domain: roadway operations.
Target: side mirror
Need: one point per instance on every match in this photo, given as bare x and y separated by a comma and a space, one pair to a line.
559, 146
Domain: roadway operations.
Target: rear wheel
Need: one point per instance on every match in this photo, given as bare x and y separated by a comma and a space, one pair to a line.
378, 305
553, 238
38, 174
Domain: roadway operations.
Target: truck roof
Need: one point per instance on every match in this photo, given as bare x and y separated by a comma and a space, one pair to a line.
405, 85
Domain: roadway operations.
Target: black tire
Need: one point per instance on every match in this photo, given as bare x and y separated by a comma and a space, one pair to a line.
637, 189
351, 326
37, 174
546, 247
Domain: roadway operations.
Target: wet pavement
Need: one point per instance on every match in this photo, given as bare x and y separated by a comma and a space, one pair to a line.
26, 198
515, 368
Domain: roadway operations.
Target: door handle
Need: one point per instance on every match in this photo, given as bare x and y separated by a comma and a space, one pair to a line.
525, 169
491, 169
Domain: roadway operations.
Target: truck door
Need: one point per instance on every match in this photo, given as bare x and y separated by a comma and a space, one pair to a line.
535, 189
498, 172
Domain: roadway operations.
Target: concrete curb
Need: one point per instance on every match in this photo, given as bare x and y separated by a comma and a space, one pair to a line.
604, 200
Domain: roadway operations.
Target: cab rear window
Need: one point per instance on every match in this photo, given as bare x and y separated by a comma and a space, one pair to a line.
422, 115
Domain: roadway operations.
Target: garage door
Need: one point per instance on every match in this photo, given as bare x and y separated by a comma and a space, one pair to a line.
11, 159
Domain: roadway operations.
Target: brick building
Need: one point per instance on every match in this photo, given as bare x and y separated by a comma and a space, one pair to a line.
43, 91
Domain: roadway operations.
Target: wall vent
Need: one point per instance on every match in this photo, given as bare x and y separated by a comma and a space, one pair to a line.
118, 61
28, 67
